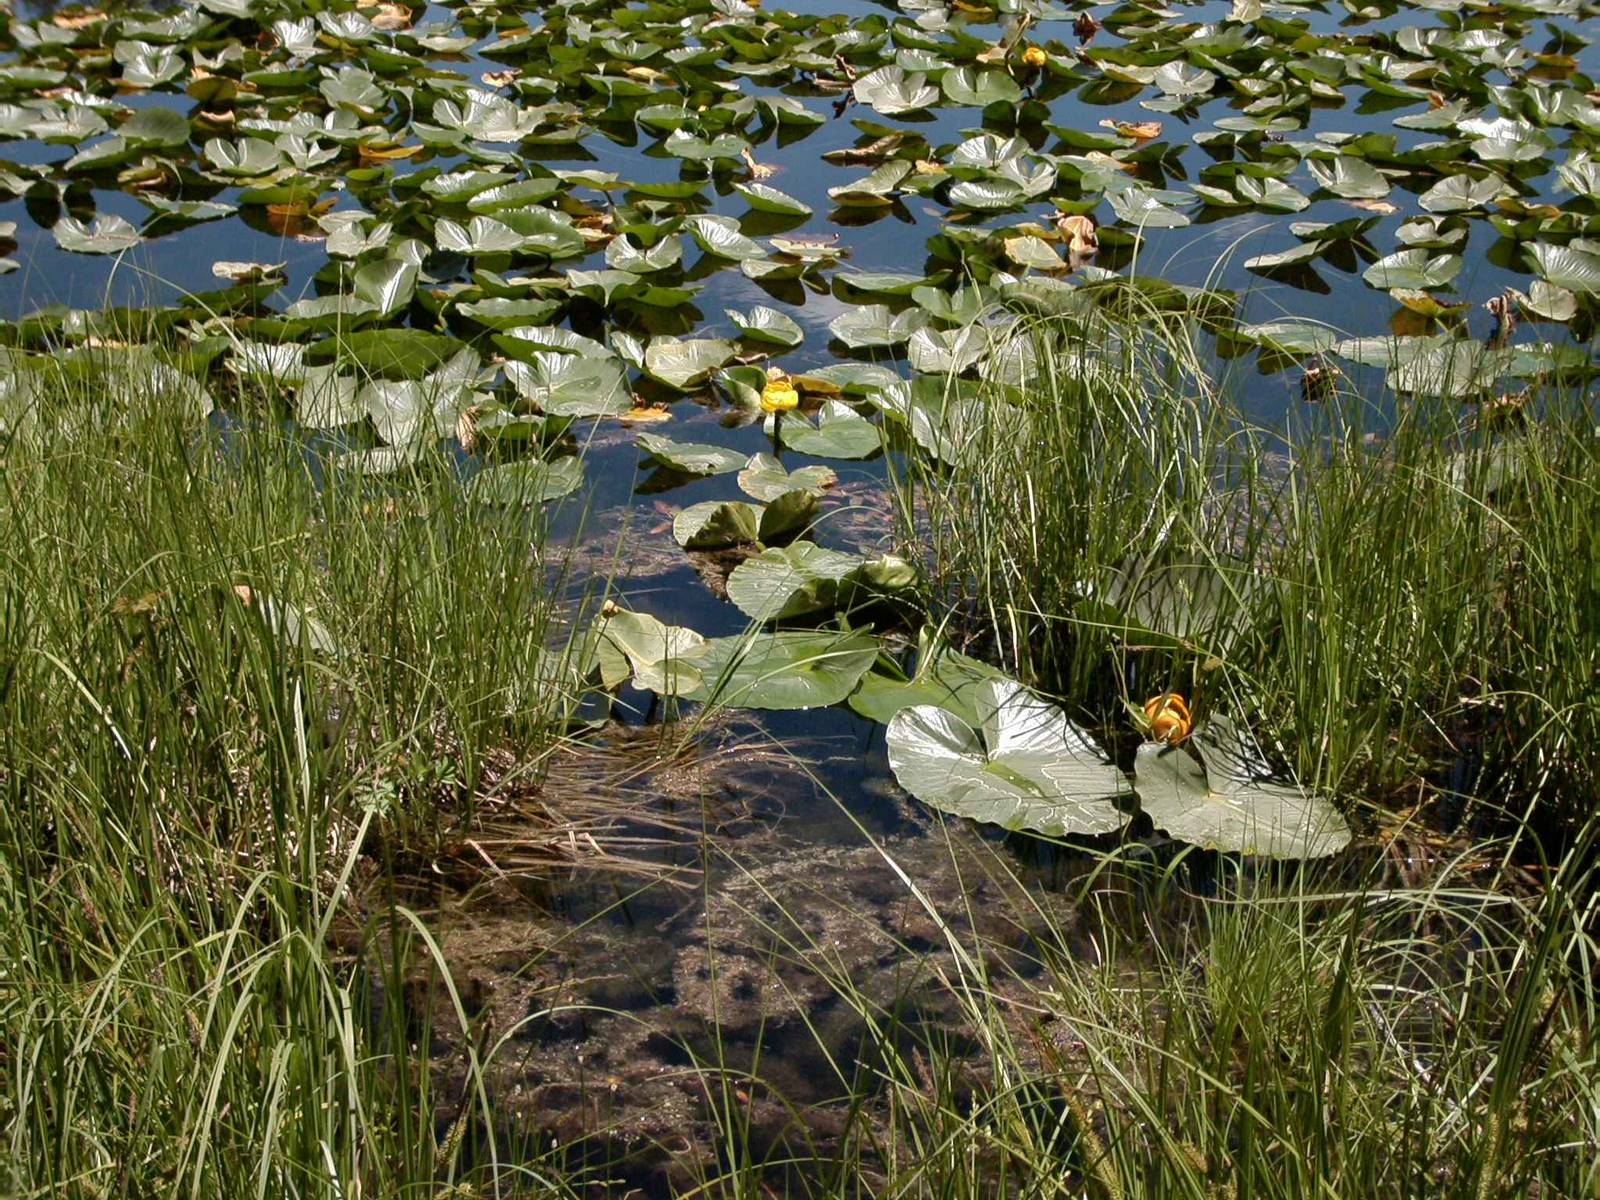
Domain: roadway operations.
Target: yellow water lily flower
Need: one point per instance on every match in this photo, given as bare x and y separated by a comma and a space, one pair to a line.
1033, 56
1168, 716
779, 394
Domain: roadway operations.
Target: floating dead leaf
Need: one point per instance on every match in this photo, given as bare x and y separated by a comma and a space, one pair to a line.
758, 170
644, 413
812, 385
873, 152
1374, 206
246, 272
991, 56
1505, 411
387, 153
648, 75
467, 427
1436, 100
1141, 130
1085, 27
926, 166
1106, 160
1077, 230
217, 118
1429, 305
80, 19
298, 220
391, 16
1503, 308
500, 79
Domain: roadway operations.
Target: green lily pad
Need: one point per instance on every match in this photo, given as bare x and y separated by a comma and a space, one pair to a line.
527, 482
713, 524
1415, 269
693, 458
891, 91
108, 234
785, 670
765, 478
572, 385
769, 199
871, 325
789, 581
685, 363
1023, 765
768, 326
840, 432
1232, 803
1569, 267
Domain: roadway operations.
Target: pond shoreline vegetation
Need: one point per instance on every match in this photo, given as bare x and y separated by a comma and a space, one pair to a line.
426, 652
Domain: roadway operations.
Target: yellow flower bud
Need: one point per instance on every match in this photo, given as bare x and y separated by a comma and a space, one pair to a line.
1033, 56
1169, 718
779, 395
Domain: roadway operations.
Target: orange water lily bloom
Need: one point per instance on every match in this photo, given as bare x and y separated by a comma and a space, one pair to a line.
1168, 716
779, 394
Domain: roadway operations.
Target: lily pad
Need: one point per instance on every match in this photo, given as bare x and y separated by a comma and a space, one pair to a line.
1023, 765
840, 432
789, 581
768, 326
765, 478
685, 363
785, 670
713, 524
530, 481
1232, 802
693, 458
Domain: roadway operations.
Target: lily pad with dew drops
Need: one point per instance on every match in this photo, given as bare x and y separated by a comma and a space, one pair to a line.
1231, 802
1023, 766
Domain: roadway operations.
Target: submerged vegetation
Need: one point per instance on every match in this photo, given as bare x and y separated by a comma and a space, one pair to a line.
1074, 684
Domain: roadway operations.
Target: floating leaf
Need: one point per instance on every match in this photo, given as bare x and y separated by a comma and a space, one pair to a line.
1349, 177
685, 363
109, 234
1569, 267
713, 524
789, 581
767, 325
1414, 269
785, 670
765, 478
1461, 193
1023, 765
1232, 803
769, 199
892, 91
979, 88
871, 325
530, 481
840, 432
693, 458
944, 679
572, 385
659, 657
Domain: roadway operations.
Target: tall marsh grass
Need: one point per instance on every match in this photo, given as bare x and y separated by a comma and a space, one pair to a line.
1393, 588
232, 686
